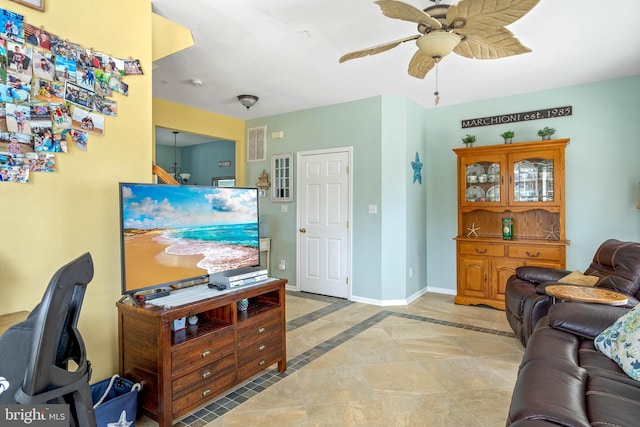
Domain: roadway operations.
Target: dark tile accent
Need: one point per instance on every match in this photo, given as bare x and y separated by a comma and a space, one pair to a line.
252, 387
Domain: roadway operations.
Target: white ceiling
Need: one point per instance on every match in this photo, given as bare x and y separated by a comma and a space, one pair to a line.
286, 52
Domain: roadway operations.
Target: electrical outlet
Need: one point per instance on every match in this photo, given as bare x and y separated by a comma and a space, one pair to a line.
410, 272
373, 209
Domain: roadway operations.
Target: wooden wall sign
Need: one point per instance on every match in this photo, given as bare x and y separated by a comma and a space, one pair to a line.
547, 113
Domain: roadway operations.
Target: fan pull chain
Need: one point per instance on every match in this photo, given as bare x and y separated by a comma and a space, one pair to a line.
436, 93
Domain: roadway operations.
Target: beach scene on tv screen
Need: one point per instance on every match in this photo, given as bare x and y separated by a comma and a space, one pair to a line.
174, 233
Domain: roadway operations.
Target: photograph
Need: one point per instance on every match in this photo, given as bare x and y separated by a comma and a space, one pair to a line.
48, 91
102, 83
43, 64
37, 37
19, 58
132, 67
41, 162
78, 95
85, 77
14, 92
11, 26
65, 68
65, 48
18, 117
3, 60
60, 116
87, 121
109, 107
15, 143
80, 138
119, 86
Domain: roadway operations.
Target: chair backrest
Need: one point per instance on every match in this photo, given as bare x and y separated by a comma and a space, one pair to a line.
617, 264
56, 339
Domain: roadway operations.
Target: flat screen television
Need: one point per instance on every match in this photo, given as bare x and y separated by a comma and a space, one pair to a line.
181, 234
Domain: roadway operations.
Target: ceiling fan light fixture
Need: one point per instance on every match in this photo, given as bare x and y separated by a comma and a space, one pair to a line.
248, 100
438, 44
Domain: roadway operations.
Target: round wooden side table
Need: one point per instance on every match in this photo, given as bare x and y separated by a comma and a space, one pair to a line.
586, 294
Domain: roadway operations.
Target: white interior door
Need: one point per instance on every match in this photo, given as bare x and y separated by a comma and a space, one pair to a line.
324, 211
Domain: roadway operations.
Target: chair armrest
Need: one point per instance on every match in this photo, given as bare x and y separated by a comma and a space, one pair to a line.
540, 274
584, 320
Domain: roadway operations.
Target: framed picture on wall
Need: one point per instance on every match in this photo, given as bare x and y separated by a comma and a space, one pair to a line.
34, 4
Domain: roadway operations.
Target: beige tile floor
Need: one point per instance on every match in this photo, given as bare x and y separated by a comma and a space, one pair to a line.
416, 365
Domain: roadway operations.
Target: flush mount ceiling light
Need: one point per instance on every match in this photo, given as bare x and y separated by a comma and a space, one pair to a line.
248, 100
197, 82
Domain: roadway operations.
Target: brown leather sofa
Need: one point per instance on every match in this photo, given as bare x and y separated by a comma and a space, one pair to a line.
563, 380
616, 263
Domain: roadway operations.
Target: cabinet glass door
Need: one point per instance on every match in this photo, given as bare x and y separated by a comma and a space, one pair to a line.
533, 179
482, 180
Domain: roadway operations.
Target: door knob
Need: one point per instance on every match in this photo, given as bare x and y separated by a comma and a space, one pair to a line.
303, 230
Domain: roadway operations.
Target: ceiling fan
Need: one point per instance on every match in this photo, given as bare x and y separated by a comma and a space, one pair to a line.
471, 28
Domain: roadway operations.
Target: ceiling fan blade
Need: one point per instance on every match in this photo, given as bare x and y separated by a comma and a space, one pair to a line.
420, 65
376, 49
497, 44
488, 14
406, 12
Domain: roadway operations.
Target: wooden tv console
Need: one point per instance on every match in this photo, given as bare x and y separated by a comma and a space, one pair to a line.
183, 370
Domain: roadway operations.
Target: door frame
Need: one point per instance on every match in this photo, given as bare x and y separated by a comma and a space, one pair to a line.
349, 253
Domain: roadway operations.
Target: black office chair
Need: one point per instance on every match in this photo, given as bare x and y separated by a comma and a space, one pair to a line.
37, 352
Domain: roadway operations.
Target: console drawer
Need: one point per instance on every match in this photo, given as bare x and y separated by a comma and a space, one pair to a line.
264, 325
268, 348
205, 373
202, 393
481, 248
536, 252
201, 351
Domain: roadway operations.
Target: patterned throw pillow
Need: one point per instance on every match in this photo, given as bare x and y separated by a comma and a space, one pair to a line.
621, 342
577, 278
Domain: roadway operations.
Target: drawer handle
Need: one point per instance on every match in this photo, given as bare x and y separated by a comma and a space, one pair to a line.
481, 252
205, 353
261, 330
262, 347
206, 374
537, 254
205, 393
262, 362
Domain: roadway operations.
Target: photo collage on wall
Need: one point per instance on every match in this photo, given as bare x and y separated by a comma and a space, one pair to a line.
53, 94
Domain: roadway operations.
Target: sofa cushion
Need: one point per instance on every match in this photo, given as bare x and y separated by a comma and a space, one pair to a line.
621, 342
577, 278
612, 403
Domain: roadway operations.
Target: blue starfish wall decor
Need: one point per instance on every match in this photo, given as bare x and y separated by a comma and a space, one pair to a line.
417, 169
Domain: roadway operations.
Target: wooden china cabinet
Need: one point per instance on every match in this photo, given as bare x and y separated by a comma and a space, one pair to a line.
521, 185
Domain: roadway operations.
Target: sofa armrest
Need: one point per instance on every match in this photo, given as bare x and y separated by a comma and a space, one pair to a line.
584, 320
535, 274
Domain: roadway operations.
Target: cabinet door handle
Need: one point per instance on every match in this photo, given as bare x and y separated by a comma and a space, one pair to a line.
205, 392
537, 254
206, 374
481, 252
205, 353
262, 347
262, 362
261, 330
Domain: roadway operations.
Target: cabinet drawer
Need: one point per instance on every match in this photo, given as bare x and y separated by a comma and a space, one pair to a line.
200, 351
202, 393
205, 373
264, 325
268, 348
536, 252
254, 366
481, 248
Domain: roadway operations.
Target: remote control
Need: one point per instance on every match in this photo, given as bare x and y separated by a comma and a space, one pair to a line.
218, 286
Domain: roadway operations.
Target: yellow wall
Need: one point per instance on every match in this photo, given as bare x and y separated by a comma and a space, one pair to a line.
183, 118
58, 216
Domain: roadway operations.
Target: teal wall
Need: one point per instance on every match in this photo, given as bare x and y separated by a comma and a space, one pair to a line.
201, 161
354, 124
415, 224
602, 166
